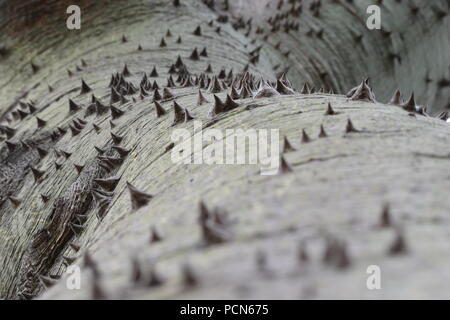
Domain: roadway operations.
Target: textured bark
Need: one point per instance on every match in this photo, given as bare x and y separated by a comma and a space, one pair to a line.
335, 193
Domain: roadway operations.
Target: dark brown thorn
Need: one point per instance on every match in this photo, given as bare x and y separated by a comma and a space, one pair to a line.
73, 107
410, 105
25, 145
45, 198
217, 108
305, 89
350, 127
40, 123
396, 98
287, 147
69, 260
84, 87
42, 152
108, 184
15, 201
167, 94
96, 128
123, 100
136, 271
302, 253
234, 93
116, 112
11, 146
155, 85
47, 282
121, 151
138, 198
75, 246
194, 55
230, 104
154, 73
155, 235
398, 246
187, 115
22, 114
283, 89
342, 258
322, 133
362, 92
61, 131
156, 95
179, 113
116, 138
170, 82
190, 278
10, 132
330, 111
261, 261
115, 96
35, 68
305, 137
66, 154
81, 218
126, 72
102, 198
78, 167
198, 31
159, 109
385, 218
81, 121
201, 99
179, 62
154, 278
265, 91
76, 228
215, 86
74, 130
284, 166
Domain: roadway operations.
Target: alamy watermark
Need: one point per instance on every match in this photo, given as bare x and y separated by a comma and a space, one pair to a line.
227, 147
373, 281
73, 280
374, 20
73, 22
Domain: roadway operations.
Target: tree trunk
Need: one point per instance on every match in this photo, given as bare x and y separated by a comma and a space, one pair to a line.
365, 183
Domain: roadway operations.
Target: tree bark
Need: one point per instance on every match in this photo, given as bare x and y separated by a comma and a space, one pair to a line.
375, 195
